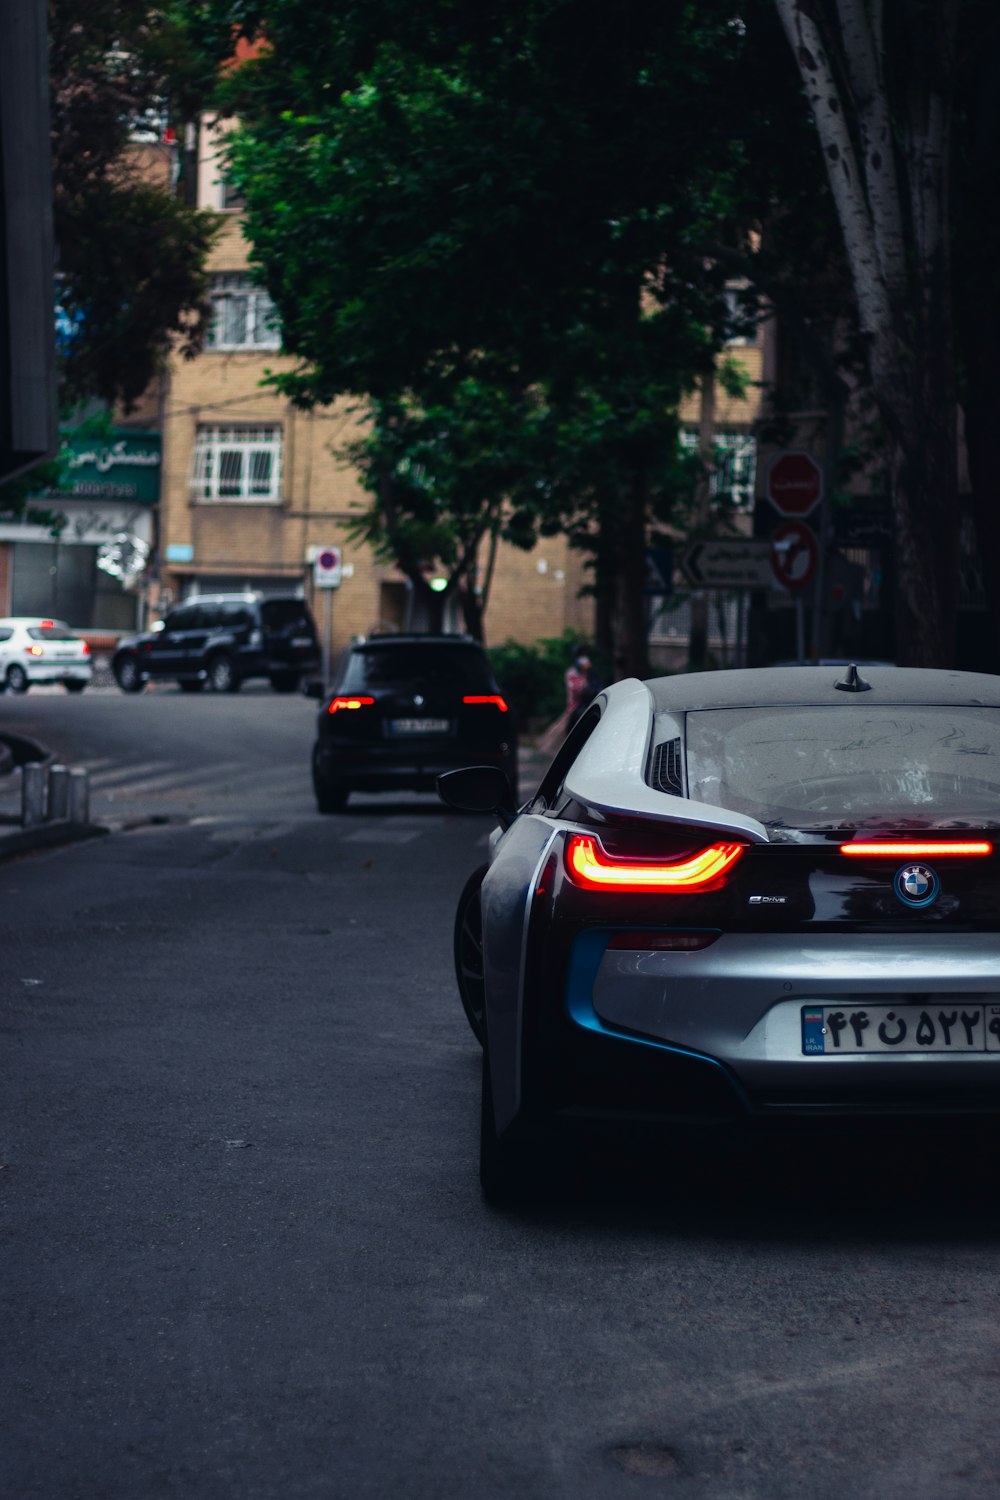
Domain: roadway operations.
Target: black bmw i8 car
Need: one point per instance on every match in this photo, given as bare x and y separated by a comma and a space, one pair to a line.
740, 895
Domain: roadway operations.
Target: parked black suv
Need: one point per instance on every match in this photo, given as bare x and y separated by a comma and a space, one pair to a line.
221, 640
402, 709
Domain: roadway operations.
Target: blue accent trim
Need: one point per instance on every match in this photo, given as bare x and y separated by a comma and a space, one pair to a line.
589, 949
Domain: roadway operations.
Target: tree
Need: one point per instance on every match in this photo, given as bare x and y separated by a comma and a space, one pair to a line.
880, 82
130, 253
536, 184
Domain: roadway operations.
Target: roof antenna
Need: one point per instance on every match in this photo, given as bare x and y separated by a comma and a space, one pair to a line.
853, 682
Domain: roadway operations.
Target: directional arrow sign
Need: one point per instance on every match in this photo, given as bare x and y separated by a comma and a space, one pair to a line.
739, 563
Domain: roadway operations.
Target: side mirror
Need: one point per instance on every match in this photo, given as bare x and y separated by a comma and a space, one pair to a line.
314, 688
478, 789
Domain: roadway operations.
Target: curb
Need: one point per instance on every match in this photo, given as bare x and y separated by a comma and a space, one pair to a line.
47, 836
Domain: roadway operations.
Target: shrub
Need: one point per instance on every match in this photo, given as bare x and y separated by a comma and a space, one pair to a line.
533, 677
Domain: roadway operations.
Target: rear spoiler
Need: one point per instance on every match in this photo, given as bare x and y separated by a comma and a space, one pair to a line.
609, 772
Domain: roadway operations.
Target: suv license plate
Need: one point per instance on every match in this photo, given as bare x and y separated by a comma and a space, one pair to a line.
944, 1025
419, 726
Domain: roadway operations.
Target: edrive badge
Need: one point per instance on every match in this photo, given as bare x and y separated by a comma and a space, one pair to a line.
916, 885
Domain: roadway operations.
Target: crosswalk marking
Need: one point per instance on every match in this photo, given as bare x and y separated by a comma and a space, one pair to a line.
381, 836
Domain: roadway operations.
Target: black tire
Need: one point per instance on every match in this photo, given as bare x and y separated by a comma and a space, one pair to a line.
75, 687
331, 796
190, 684
17, 678
467, 946
285, 682
222, 674
127, 674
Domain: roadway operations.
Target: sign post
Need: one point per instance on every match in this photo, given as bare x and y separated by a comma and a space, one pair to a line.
327, 574
794, 556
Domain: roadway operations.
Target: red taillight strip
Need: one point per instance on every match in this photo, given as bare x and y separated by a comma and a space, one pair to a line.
336, 704
590, 866
494, 698
911, 848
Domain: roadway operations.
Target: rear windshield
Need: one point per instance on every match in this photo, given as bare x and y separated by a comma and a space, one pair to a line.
51, 633
879, 767
461, 667
287, 616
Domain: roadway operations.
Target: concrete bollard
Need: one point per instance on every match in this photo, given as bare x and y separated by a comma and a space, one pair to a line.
58, 793
33, 777
79, 795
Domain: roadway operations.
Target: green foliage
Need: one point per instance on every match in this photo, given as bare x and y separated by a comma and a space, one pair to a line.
533, 676
131, 255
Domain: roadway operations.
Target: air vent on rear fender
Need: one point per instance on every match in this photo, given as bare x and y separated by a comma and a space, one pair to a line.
665, 771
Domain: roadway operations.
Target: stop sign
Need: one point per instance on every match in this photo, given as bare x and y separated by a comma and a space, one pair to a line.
794, 483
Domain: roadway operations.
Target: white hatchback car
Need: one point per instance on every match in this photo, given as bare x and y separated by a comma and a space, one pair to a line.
42, 651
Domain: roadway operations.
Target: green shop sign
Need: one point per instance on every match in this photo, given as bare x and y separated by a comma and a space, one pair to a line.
124, 467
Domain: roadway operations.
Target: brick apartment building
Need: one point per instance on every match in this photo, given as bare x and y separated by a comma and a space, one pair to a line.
252, 488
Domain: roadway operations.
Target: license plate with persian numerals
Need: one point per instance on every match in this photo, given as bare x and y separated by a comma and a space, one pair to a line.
949, 1025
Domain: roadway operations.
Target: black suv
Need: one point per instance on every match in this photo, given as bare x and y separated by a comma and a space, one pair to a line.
221, 640
402, 709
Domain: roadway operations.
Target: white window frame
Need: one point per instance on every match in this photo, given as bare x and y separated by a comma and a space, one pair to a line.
734, 465
229, 286
229, 460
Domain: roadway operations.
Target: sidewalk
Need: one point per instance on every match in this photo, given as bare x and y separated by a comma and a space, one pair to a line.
15, 751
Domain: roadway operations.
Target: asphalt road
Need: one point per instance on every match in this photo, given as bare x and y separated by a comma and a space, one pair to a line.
244, 1255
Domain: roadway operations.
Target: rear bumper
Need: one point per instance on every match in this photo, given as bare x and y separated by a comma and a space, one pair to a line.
383, 767
65, 671
721, 1029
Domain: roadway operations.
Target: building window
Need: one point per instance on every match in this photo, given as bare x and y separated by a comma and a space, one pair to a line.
244, 317
242, 464
734, 466
230, 196
740, 316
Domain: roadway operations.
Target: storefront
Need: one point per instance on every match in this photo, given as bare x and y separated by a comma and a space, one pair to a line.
88, 570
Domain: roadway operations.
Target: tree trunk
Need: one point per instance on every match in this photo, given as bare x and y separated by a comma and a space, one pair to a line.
925, 512
982, 423
698, 631
472, 612
901, 276
605, 574
631, 654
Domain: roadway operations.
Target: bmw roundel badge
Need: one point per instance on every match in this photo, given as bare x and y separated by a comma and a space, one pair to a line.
916, 885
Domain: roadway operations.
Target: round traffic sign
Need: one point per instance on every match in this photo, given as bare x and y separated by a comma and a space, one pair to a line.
329, 558
794, 554
794, 483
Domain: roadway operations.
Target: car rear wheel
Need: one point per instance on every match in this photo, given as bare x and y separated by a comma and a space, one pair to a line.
468, 950
75, 687
127, 674
331, 796
285, 682
17, 678
222, 674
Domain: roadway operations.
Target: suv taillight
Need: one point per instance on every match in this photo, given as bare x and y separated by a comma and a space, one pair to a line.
336, 704
494, 698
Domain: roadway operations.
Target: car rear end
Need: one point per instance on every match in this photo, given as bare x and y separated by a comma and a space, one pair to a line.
51, 652
290, 645
849, 964
403, 711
